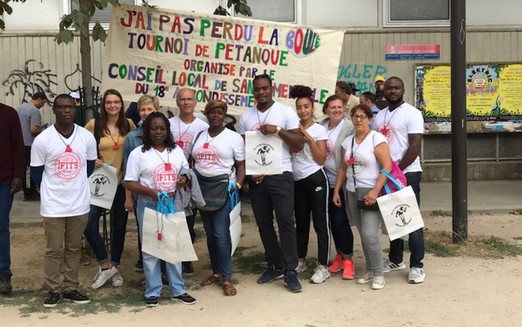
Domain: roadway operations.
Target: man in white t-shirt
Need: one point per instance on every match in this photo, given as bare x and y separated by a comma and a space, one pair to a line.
270, 193
62, 158
403, 126
185, 127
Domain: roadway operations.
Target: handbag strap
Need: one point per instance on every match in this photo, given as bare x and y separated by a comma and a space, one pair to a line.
165, 204
390, 177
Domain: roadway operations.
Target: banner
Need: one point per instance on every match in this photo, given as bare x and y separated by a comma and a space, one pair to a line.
156, 51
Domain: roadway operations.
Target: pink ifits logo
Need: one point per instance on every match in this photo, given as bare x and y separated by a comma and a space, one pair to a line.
329, 150
386, 130
67, 165
165, 180
207, 158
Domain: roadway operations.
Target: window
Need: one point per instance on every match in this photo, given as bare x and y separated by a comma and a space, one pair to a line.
102, 16
273, 10
416, 13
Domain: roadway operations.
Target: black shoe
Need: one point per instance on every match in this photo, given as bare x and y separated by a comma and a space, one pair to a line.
138, 267
76, 297
152, 301
188, 269
5, 284
291, 282
184, 298
270, 274
32, 197
52, 300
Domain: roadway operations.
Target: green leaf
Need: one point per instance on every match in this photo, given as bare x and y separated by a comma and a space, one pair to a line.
65, 36
99, 33
2, 24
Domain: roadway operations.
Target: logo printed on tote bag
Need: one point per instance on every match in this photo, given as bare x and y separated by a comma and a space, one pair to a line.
400, 212
263, 154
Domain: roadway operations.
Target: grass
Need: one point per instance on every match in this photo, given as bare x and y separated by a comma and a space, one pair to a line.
248, 261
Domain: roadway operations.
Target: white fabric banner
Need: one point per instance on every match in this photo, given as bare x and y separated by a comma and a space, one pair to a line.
103, 183
263, 154
400, 213
235, 226
167, 236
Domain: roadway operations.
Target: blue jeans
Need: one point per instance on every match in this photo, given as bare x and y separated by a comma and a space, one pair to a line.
151, 264
219, 243
6, 201
118, 225
341, 231
416, 238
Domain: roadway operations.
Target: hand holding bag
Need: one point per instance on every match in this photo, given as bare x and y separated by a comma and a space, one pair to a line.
361, 193
400, 211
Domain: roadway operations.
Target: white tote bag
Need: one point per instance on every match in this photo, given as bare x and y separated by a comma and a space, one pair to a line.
263, 154
103, 183
235, 226
167, 236
400, 211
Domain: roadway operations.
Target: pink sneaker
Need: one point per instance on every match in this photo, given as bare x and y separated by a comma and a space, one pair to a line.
349, 269
337, 264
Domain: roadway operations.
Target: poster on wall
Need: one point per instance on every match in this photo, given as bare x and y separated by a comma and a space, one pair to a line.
493, 94
157, 51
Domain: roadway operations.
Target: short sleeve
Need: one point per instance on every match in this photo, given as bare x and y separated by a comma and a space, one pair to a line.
132, 173
292, 120
239, 147
415, 122
38, 152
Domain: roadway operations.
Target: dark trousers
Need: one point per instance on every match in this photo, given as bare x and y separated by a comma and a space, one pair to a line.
29, 186
311, 196
276, 194
416, 238
341, 230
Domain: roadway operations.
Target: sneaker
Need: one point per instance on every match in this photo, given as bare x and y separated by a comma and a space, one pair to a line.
51, 300
152, 301
348, 269
390, 266
184, 298
337, 264
291, 282
416, 275
378, 283
270, 274
138, 267
102, 276
117, 280
5, 284
301, 266
321, 274
365, 278
188, 269
76, 297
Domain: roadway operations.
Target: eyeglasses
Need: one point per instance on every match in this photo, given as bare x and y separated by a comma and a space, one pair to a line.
359, 117
112, 102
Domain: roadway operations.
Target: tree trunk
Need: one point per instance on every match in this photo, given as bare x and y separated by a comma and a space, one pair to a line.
85, 53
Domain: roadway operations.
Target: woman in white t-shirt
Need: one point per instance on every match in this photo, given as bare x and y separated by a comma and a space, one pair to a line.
219, 151
310, 186
157, 166
365, 153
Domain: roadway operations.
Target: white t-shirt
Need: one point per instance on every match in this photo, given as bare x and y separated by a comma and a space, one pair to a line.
329, 164
184, 133
366, 164
151, 168
395, 126
279, 115
303, 163
65, 187
220, 154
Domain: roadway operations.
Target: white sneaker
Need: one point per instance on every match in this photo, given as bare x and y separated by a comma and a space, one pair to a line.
301, 266
378, 283
117, 280
102, 276
321, 274
390, 266
365, 278
416, 276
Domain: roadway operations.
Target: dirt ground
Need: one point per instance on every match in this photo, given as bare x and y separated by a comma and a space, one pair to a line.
459, 291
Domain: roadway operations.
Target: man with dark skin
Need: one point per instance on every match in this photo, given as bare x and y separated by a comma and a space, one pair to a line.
403, 126
271, 193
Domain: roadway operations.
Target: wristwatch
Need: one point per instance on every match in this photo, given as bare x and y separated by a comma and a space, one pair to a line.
278, 129
238, 186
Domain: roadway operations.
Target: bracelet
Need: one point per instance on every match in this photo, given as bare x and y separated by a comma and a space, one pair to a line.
238, 186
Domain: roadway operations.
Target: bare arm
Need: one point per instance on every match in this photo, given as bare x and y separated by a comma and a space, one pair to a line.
292, 137
382, 153
35, 129
341, 179
414, 141
240, 171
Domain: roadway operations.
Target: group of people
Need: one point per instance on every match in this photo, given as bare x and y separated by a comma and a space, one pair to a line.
328, 166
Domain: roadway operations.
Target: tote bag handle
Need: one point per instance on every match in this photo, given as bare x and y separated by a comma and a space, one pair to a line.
390, 177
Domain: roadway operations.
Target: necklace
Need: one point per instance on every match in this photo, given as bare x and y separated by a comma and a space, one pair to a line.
116, 142
179, 142
67, 145
264, 120
207, 142
168, 165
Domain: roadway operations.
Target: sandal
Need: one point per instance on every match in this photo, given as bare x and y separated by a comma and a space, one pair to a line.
229, 288
212, 279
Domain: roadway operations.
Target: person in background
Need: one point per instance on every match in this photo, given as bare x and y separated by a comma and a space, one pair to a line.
110, 131
12, 171
354, 88
219, 151
403, 126
147, 104
364, 154
31, 122
344, 91
380, 99
338, 128
310, 186
184, 128
62, 159
133, 113
368, 98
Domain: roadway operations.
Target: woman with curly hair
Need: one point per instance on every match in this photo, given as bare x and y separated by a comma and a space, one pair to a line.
310, 185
